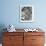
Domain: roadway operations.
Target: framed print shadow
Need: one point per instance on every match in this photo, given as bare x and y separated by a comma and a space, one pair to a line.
26, 13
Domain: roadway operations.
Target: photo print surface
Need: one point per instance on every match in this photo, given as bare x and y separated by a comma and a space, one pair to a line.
26, 13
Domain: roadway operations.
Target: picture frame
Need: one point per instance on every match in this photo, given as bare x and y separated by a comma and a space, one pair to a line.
26, 13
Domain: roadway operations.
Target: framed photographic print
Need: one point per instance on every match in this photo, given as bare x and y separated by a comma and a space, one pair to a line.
26, 13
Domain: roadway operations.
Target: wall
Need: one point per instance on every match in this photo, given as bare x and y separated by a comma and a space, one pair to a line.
9, 13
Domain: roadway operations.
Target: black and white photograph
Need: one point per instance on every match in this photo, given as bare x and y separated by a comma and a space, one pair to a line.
26, 13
